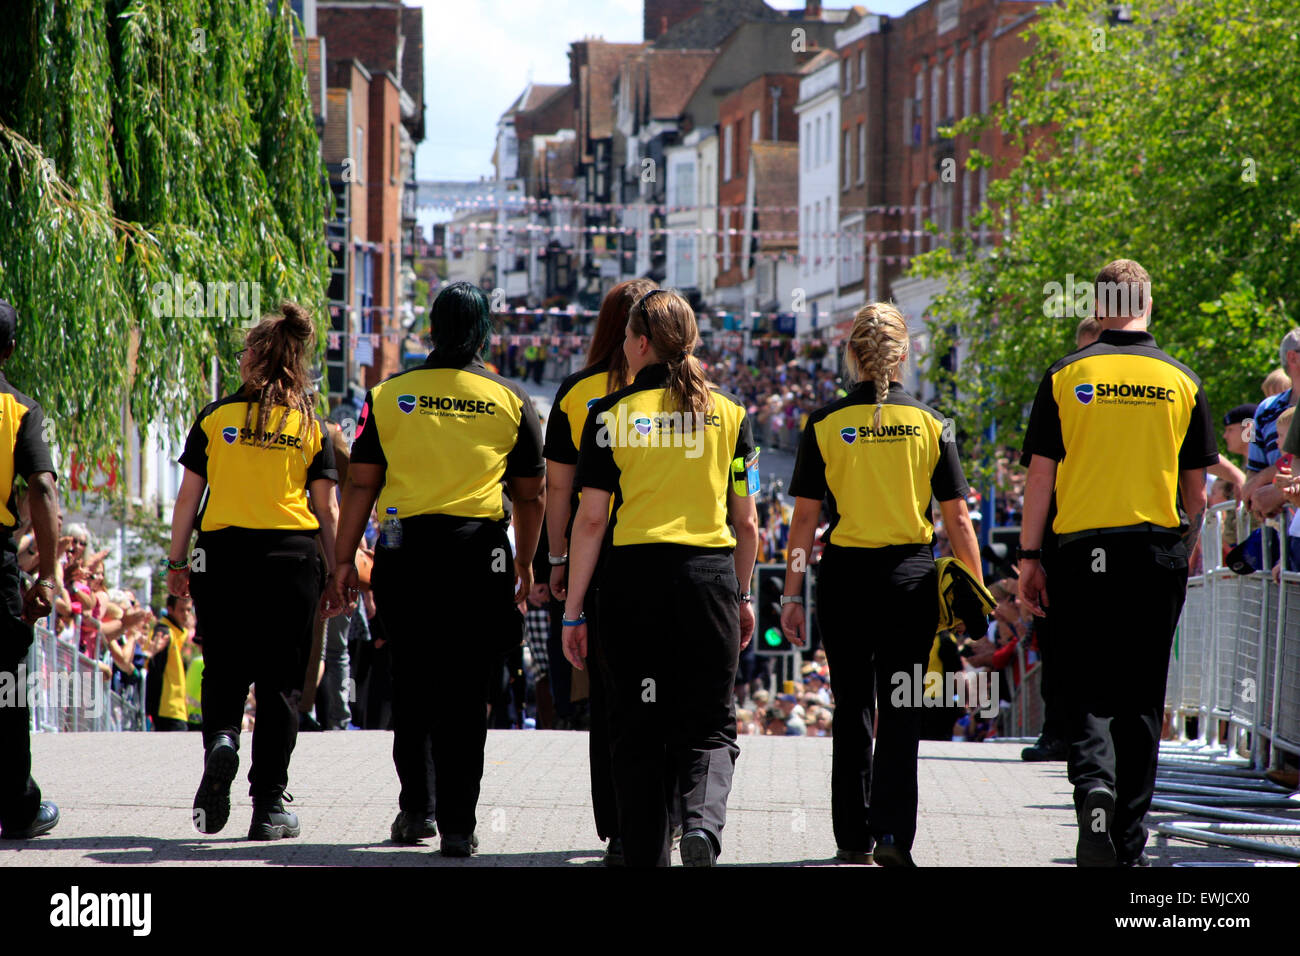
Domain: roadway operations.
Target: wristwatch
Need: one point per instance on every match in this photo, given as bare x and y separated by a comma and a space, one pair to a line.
557, 559
744, 596
47, 583
791, 599
1032, 554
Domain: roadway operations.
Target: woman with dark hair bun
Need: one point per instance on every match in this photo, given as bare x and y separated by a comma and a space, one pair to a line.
439, 447
606, 371
269, 472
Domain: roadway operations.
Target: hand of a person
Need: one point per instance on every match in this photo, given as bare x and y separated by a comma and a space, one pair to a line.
178, 582
560, 581
792, 624
1266, 501
524, 572
746, 623
37, 602
539, 594
575, 644
1033, 587
343, 588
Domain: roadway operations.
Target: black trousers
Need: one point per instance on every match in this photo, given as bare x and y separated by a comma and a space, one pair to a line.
447, 599
878, 608
20, 797
604, 795
1115, 603
670, 626
250, 636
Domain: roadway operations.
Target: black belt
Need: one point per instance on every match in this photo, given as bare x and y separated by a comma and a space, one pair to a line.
1146, 527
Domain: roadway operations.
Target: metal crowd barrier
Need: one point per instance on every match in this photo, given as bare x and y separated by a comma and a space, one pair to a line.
1024, 718
1235, 668
69, 691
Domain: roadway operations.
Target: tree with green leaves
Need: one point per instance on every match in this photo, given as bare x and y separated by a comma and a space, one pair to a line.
1166, 140
147, 148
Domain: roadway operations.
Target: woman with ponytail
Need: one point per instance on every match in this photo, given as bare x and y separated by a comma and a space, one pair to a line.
263, 458
877, 456
676, 457
606, 371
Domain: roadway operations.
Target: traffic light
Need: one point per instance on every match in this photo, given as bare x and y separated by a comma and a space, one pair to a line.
768, 636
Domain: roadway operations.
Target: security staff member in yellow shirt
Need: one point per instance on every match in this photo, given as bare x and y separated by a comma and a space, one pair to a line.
439, 446
876, 456
23, 452
673, 617
168, 661
605, 372
1123, 432
257, 572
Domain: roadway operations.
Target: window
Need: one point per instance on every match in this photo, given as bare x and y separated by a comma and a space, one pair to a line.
805, 249
848, 74
850, 254
817, 145
847, 160
684, 180
817, 233
968, 81
826, 234
807, 145
918, 109
727, 149
917, 198
827, 129
862, 68
984, 195
984, 77
359, 160
756, 124
907, 122
952, 86
392, 153
726, 240
936, 80
684, 256
862, 153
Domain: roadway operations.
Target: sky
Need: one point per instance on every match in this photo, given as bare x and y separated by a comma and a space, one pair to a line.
479, 55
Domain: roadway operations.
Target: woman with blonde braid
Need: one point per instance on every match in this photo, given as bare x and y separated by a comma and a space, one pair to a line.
676, 456
876, 456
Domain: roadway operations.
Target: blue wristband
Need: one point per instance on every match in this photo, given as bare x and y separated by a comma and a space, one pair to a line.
579, 621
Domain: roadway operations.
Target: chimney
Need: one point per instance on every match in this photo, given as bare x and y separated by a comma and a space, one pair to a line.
812, 9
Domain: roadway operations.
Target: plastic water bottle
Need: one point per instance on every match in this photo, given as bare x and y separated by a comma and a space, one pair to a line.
390, 530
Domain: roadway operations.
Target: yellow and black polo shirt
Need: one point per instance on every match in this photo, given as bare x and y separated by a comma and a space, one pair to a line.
1122, 418
252, 484
448, 436
669, 483
576, 396
23, 450
877, 481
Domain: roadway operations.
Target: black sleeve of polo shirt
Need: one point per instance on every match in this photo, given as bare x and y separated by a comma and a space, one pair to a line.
195, 455
525, 459
596, 467
1291, 440
559, 432
366, 449
1043, 436
744, 437
948, 481
31, 453
1200, 449
809, 478
323, 465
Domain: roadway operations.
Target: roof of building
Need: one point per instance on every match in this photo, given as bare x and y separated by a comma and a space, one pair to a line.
714, 23
667, 77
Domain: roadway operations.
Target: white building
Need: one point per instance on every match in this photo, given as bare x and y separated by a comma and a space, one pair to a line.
692, 199
818, 114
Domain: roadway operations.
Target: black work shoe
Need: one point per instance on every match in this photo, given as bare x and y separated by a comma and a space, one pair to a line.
1142, 861
212, 801
697, 849
862, 857
411, 828
47, 818
1047, 748
458, 844
614, 852
271, 821
889, 853
1095, 819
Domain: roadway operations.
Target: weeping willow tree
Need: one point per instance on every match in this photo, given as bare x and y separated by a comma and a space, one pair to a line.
160, 175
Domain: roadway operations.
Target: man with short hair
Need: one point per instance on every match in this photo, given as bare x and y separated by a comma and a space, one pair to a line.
23, 451
1120, 430
1260, 494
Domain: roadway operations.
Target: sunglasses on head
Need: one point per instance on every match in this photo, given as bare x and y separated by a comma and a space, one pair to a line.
645, 319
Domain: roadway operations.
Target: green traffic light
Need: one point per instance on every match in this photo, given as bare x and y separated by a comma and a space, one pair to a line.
773, 637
